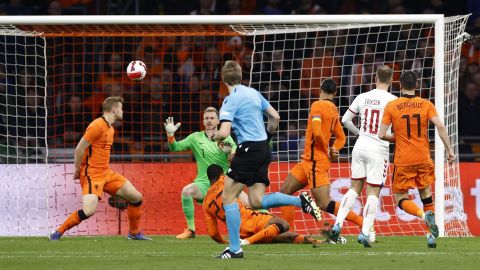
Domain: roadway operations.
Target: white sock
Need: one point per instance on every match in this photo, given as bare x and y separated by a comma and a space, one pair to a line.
369, 214
346, 205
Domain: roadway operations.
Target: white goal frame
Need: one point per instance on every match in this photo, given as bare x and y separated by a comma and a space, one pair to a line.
438, 20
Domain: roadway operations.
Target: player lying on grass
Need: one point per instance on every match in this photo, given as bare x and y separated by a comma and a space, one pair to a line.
256, 226
206, 152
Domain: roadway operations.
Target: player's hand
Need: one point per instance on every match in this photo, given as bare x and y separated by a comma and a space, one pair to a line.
333, 153
225, 146
170, 126
76, 175
451, 157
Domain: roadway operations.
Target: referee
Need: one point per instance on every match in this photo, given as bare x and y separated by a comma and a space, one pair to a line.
243, 109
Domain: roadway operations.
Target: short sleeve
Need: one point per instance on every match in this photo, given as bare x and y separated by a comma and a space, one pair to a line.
264, 102
432, 112
354, 106
92, 133
387, 115
315, 111
229, 108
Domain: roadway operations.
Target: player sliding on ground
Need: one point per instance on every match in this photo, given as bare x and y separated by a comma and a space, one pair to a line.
243, 109
256, 227
369, 156
313, 170
206, 153
92, 159
413, 167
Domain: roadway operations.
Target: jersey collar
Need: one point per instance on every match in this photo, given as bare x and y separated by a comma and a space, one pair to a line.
106, 122
409, 96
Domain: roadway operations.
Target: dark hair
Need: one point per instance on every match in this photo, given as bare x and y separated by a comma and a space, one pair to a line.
329, 86
408, 80
214, 172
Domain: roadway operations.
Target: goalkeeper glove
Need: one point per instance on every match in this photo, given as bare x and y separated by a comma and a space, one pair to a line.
170, 127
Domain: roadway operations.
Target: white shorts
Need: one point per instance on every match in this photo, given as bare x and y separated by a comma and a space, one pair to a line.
370, 166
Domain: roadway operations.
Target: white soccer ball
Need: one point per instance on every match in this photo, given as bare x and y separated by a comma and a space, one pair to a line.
136, 70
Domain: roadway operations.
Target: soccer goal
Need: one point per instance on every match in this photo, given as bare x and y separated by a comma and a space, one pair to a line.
56, 71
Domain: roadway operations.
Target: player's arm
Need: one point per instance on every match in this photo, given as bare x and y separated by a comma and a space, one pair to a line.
382, 133
212, 227
385, 125
442, 132
316, 119
273, 120
348, 116
340, 140
227, 114
82, 145
173, 145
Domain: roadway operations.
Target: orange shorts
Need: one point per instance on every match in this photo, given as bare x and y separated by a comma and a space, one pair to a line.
109, 182
312, 173
253, 223
415, 176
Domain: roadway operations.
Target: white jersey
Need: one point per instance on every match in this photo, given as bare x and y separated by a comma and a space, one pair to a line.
370, 107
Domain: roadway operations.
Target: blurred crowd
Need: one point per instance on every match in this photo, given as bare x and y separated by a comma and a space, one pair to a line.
184, 71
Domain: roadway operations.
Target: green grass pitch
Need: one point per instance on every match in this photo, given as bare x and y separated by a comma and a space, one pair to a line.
165, 252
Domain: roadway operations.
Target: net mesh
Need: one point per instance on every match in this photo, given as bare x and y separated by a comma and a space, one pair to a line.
86, 63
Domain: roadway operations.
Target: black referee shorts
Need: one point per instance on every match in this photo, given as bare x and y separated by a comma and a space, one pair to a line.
250, 163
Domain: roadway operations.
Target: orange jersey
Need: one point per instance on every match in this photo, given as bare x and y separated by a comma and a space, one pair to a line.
96, 158
325, 113
409, 117
213, 209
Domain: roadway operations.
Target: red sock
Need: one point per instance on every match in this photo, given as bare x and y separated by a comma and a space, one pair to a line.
266, 235
72, 221
134, 213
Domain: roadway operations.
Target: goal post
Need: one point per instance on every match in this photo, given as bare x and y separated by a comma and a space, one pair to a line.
86, 56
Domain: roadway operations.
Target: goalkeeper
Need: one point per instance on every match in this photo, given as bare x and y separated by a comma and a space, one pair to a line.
206, 152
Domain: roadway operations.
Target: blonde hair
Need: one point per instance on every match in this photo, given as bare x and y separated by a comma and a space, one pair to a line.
384, 74
111, 102
211, 109
231, 73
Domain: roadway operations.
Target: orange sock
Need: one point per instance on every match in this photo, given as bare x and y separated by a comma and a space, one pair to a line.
134, 213
410, 207
72, 221
299, 239
265, 235
352, 216
288, 213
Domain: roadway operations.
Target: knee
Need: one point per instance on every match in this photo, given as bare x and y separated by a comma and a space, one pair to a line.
255, 203
283, 225
228, 198
89, 210
186, 192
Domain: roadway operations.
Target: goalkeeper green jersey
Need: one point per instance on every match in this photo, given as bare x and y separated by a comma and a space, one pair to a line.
206, 153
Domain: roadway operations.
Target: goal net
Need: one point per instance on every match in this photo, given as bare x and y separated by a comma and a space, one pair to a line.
73, 67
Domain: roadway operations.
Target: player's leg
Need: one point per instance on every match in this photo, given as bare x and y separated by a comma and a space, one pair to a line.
90, 203
190, 193
92, 189
231, 191
359, 174
119, 186
426, 176
321, 193
294, 238
283, 198
291, 185
269, 227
